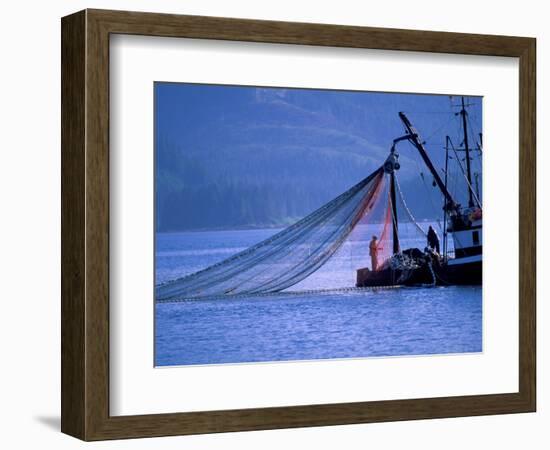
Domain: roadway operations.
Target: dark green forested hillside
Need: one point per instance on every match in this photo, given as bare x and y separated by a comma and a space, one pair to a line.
246, 157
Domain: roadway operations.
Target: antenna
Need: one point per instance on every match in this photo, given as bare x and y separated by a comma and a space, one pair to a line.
467, 150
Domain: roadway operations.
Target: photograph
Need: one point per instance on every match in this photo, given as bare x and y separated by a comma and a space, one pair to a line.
260, 225
296, 224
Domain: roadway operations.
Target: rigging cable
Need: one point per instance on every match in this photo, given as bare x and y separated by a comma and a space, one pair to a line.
406, 208
465, 177
428, 193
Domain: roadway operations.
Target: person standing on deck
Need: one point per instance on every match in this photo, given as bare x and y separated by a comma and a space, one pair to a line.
373, 252
433, 240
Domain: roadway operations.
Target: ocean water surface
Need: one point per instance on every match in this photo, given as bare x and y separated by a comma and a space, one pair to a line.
303, 326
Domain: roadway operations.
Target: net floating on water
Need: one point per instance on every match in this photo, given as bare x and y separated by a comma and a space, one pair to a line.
287, 257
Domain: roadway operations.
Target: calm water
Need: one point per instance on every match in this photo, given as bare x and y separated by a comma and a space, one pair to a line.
404, 321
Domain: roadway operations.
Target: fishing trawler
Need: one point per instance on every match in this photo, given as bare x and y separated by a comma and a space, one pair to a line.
291, 255
463, 224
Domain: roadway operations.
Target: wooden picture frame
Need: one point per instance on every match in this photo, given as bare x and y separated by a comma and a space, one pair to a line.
85, 224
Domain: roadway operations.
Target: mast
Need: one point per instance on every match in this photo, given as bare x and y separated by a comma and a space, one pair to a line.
390, 166
412, 136
467, 150
447, 139
394, 214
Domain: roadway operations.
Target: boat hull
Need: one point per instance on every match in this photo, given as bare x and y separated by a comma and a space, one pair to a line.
468, 273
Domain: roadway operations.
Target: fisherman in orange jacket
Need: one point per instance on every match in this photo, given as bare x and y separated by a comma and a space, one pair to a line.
373, 252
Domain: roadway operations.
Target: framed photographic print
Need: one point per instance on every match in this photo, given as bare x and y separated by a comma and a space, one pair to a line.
270, 224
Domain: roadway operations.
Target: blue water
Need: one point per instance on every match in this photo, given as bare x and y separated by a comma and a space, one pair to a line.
286, 327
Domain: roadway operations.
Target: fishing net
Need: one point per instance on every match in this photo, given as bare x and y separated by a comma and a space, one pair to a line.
339, 271
291, 255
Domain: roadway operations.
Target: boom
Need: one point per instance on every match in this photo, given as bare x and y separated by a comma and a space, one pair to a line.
413, 137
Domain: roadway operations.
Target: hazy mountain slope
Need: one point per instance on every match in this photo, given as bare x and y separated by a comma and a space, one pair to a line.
233, 156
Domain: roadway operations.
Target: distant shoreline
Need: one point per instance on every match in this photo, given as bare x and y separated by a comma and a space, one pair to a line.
254, 227
238, 228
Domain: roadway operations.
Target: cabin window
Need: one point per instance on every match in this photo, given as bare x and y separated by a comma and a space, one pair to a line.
475, 237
